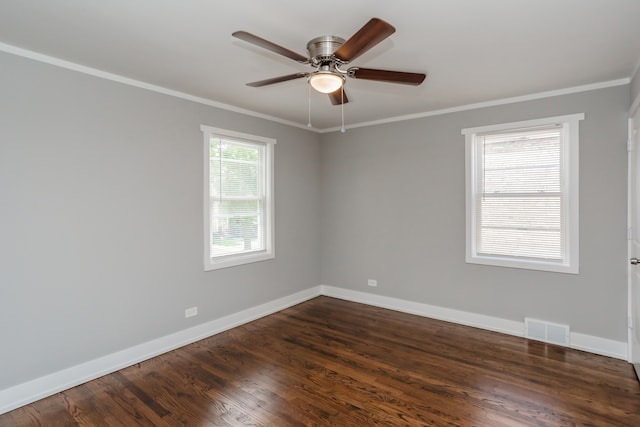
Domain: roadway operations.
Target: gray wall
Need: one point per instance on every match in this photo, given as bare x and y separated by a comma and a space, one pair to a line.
393, 209
101, 218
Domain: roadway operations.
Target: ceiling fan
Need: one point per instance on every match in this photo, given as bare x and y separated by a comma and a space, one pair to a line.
327, 54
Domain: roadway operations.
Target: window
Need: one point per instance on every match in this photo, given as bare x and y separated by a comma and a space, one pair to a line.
522, 194
238, 198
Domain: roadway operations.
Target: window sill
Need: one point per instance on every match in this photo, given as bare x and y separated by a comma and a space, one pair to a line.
235, 260
526, 264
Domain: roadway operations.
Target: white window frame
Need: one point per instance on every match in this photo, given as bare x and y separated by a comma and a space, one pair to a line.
224, 261
570, 192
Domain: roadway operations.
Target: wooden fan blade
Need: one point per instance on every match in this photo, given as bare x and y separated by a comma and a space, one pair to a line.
338, 97
277, 80
266, 44
372, 33
387, 76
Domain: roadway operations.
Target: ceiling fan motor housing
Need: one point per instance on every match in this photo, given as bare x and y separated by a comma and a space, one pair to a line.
321, 49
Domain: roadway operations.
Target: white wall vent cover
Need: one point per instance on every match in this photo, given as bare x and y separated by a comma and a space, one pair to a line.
540, 330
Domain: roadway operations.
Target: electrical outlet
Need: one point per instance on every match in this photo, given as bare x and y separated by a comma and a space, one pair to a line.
190, 312
372, 282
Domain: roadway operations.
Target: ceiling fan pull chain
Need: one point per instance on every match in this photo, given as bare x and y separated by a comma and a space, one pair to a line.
309, 99
342, 108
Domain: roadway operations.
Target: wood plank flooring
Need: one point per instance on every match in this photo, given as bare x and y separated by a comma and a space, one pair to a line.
328, 362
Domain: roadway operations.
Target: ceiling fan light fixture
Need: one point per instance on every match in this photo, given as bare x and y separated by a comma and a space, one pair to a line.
326, 81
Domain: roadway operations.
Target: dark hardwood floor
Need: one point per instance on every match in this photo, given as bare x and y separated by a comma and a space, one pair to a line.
331, 362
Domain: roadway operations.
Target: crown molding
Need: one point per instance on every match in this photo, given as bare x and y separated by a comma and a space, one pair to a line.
159, 89
485, 104
140, 84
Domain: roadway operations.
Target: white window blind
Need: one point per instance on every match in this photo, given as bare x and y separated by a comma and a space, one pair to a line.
238, 205
237, 196
522, 194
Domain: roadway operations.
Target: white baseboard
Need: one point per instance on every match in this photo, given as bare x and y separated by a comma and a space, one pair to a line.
598, 345
590, 343
39, 388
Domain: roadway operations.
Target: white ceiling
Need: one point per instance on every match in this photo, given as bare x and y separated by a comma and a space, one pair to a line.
472, 50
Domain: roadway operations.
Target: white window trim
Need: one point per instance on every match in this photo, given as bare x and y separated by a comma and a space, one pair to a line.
249, 257
571, 190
